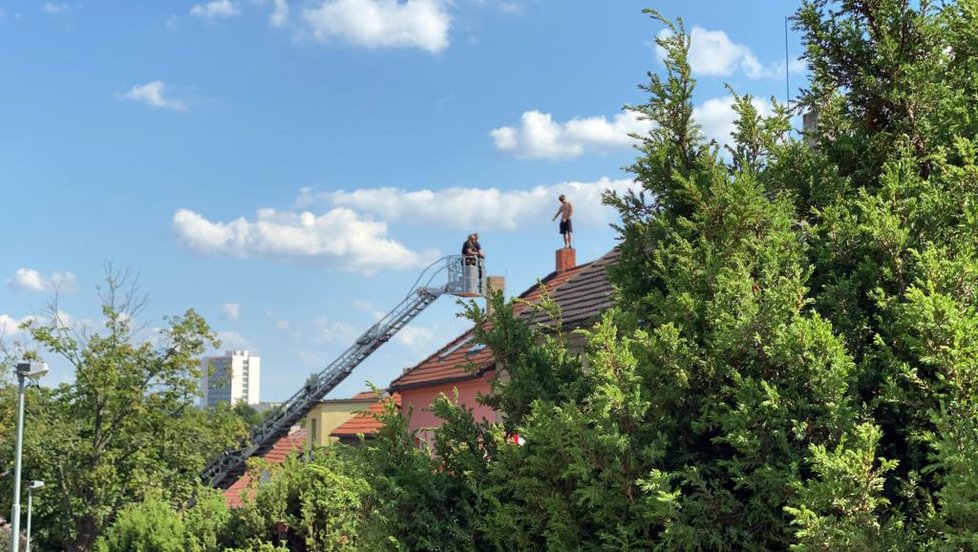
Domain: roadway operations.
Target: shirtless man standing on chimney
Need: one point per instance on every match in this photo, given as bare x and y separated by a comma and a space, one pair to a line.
565, 211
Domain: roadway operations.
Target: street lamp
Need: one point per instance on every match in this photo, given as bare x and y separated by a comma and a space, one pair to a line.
30, 495
25, 370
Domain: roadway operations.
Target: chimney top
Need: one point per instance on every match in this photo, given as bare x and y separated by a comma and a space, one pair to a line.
494, 284
566, 259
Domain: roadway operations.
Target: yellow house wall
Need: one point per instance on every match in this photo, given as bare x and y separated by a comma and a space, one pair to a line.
329, 415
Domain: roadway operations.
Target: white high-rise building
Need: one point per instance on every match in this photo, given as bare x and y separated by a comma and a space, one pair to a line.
230, 378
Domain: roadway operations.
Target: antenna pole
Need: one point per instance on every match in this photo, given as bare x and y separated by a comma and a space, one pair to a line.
787, 81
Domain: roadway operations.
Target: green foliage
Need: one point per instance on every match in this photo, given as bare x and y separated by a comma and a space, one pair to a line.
792, 363
149, 526
538, 367
412, 504
248, 414
126, 427
206, 523
840, 509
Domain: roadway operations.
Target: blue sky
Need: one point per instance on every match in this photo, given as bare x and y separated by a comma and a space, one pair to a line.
287, 167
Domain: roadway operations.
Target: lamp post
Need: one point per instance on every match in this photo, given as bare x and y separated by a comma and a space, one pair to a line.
32, 370
30, 495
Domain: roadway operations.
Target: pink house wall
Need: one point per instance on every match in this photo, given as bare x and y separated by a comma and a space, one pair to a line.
418, 402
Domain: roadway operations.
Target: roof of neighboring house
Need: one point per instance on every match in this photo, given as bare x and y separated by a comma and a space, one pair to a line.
289, 444
582, 293
366, 422
582, 299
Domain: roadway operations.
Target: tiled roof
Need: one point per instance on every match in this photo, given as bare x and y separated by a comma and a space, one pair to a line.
584, 298
289, 444
366, 422
582, 292
455, 361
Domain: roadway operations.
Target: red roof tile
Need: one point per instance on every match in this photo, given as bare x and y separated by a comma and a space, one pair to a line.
584, 298
366, 422
582, 292
289, 444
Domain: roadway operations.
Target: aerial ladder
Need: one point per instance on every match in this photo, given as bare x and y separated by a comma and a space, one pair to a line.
466, 278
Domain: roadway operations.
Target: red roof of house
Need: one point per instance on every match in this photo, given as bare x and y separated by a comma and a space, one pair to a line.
584, 298
289, 444
582, 292
366, 422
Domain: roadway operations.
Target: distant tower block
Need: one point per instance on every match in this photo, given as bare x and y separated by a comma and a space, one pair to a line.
231, 378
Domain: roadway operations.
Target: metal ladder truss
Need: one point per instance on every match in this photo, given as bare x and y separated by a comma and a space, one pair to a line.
466, 276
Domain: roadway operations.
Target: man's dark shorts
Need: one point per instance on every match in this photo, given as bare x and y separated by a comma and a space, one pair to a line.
566, 227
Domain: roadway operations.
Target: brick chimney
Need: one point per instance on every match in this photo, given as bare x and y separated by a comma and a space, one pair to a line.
566, 259
494, 284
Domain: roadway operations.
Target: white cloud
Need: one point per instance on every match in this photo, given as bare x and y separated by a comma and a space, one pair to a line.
340, 235
10, 326
415, 335
153, 93
234, 340
467, 208
231, 311
713, 53
63, 319
55, 9
282, 325
717, 117
539, 136
382, 23
215, 9
280, 13
28, 279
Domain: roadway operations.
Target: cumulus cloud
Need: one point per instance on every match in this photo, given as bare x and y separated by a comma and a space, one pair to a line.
280, 13
340, 236
10, 326
466, 208
28, 279
415, 335
539, 136
234, 340
154, 94
420, 24
713, 53
231, 311
215, 9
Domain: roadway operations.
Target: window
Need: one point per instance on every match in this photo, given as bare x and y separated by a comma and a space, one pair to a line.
455, 347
